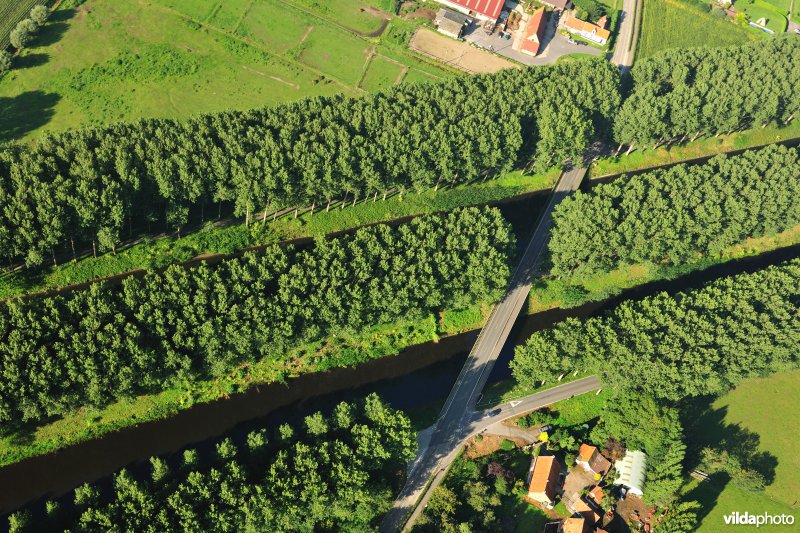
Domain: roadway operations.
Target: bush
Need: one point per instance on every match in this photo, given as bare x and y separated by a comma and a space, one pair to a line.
5, 61
507, 445
39, 15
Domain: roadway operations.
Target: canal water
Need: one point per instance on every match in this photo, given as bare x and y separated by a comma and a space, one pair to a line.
417, 377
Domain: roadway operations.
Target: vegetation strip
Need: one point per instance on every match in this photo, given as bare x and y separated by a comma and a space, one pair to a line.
651, 218
93, 347
682, 94
695, 343
90, 185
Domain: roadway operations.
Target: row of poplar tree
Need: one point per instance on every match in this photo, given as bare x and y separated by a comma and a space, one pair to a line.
681, 94
93, 186
678, 214
93, 346
695, 343
90, 187
331, 473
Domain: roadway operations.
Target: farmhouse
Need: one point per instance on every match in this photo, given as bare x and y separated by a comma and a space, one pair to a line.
482, 9
543, 479
590, 458
534, 32
631, 472
451, 22
587, 30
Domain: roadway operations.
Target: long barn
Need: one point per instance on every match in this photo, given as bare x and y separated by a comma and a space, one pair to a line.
483, 9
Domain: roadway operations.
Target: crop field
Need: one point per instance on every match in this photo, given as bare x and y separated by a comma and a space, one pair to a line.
11, 12
755, 413
674, 24
108, 61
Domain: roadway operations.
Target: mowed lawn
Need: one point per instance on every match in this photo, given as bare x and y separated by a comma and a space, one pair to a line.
758, 9
674, 24
108, 61
767, 408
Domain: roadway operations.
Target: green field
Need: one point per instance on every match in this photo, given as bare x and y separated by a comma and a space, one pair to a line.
761, 410
675, 24
381, 74
333, 51
266, 24
361, 16
107, 61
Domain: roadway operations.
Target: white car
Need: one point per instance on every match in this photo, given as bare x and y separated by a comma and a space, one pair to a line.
572, 41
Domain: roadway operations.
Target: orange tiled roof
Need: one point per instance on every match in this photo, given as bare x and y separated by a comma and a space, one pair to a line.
586, 452
573, 524
534, 31
490, 8
545, 475
582, 25
597, 494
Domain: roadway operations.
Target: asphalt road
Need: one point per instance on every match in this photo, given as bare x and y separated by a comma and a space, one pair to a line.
626, 46
483, 420
458, 416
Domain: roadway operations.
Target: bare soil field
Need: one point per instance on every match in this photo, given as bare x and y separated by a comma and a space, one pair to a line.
456, 53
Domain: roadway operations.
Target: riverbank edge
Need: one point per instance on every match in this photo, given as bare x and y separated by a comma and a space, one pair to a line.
22, 445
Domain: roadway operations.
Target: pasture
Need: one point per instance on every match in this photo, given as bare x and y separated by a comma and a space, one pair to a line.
106, 61
675, 24
756, 416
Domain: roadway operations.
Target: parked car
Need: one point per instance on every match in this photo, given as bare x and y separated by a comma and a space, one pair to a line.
797, 30
582, 43
572, 41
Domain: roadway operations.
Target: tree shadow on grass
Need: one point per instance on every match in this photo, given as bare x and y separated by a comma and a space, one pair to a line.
706, 428
30, 60
24, 113
706, 493
709, 429
49, 35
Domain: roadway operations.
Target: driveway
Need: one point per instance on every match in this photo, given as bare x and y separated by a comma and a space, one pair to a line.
553, 45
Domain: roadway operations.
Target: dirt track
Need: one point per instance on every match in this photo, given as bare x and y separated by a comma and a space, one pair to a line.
456, 53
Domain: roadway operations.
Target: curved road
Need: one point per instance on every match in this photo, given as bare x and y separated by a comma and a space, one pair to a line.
457, 418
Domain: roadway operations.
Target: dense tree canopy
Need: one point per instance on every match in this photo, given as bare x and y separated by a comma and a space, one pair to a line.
677, 214
93, 346
333, 473
699, 342
641, 423
90, 185
686, 92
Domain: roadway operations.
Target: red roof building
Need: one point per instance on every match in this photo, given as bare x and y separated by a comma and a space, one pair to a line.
487, 8
534, 32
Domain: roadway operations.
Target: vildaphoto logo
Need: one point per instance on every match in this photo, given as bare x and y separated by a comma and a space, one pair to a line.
746, 519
